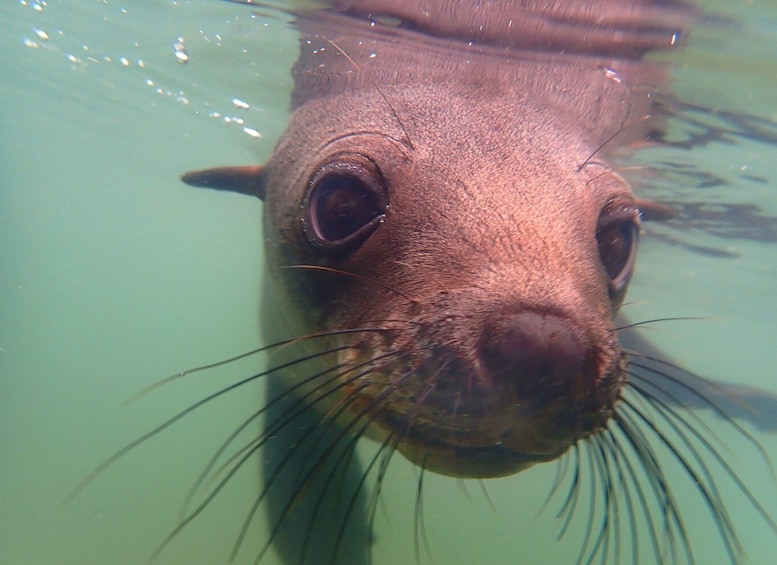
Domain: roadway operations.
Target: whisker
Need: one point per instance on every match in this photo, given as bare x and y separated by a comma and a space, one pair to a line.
591, 509
614, 524
386, 449
604, 143
397, 438
704, 399
658, 320
718, 511
637, 384
268, 433
369, 411
287, 393
293, 500
487, 496
649, 460
601, 545
381, 455
623, 456
562, 467
376, 87
609, 441
570, 501
214, 492
384, 454
673, 419
354, 275
398, 356
185, 412
329, 419
419, 528
344, 461
372, 503
278, 344
202, 484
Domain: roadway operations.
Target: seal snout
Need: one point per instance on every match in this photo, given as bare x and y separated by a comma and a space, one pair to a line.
547, 371
537, 354
541, 358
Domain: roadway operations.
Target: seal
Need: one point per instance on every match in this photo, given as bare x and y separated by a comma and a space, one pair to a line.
465, 241
447, 246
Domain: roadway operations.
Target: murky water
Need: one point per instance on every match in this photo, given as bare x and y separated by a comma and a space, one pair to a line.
113, 275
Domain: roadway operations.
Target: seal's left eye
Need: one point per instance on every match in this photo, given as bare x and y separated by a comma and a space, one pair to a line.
345, 203
616, 238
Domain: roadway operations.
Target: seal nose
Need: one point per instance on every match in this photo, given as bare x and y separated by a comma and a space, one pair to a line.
537, 354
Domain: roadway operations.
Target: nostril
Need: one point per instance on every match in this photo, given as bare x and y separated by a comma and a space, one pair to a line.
537, 353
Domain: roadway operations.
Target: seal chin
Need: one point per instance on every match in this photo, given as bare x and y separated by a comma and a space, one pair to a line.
474, 462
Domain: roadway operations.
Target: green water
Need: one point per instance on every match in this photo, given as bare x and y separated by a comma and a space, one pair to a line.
113, 275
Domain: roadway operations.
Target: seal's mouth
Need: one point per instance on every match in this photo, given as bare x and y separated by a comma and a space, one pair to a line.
494, 444
473, 462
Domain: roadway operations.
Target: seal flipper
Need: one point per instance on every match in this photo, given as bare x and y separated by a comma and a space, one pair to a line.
248, 180
318, 515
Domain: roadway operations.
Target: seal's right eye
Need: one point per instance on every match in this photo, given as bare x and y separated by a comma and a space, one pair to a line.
346, 202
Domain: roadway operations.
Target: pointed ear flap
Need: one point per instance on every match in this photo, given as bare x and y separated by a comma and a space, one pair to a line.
654, 211
244, 180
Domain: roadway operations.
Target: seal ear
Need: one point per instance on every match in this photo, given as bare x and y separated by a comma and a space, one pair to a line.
654, 211
244, 180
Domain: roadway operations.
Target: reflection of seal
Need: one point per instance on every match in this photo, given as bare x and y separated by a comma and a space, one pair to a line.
448, 247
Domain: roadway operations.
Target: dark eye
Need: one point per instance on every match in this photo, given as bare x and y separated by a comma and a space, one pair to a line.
616, 237
340, 205
346, 202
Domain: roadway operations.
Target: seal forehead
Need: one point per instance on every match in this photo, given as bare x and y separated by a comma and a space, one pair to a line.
491, 193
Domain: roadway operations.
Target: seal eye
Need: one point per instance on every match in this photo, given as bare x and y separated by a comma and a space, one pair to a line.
339, 206
616, 237
345, 203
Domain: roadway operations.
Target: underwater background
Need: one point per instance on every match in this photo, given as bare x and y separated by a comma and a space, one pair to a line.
114, 275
